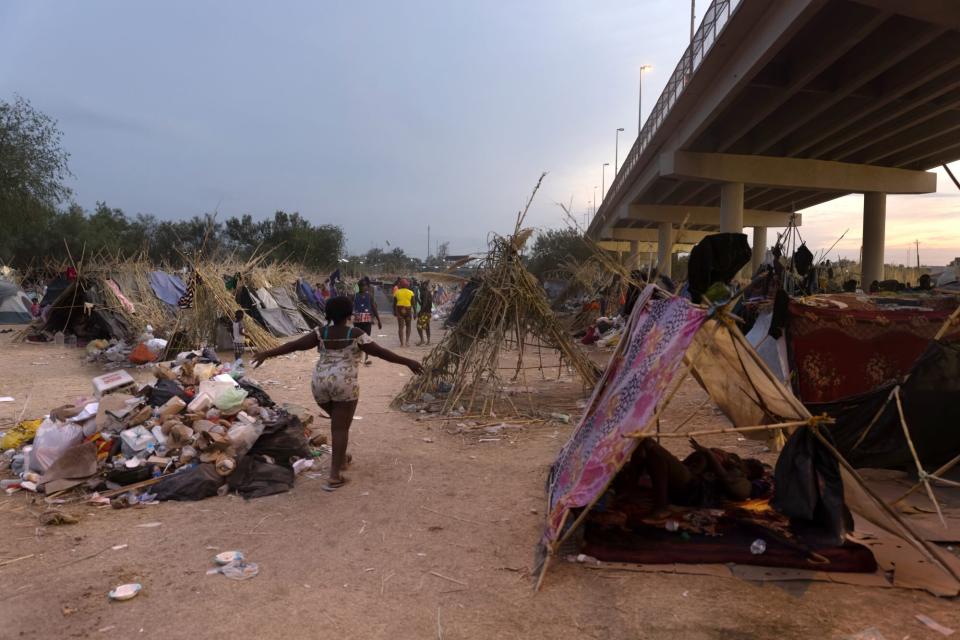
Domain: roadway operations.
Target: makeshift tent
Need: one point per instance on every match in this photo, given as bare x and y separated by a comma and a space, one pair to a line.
665, 337
290, 308
508, 307
14, 304
55, 288
81, 309
843, 345
868, 429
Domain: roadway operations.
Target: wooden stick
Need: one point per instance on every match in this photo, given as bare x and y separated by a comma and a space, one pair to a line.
6, 562
876, 417
711, 432
946, 324
454, 580
131, 487
913, 451
450, 515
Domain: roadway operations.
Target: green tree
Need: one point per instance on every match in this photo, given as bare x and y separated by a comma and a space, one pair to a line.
33, 167
553, 247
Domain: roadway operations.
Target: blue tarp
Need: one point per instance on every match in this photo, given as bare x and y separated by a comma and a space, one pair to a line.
166, 286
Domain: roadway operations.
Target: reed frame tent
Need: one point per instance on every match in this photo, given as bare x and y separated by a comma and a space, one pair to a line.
508, 308
667, 337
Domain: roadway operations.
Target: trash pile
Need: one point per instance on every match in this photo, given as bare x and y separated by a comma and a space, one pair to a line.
114, 354
200, 429
604, 332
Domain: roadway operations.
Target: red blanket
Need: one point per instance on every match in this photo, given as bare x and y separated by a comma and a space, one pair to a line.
844, 344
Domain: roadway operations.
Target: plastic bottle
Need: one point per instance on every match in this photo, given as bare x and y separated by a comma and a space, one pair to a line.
58, 338
70, 340
758, 547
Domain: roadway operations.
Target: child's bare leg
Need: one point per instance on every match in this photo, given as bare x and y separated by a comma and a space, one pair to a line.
341, 416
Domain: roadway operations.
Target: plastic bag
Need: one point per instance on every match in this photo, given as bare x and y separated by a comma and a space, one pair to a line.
142, 354
229, 400
243, 435
52, 439
20, 435
204, 370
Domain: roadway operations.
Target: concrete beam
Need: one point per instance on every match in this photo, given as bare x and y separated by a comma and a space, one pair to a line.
707, 215
614, 245
653, 235
643, 248
941, 12
794, 173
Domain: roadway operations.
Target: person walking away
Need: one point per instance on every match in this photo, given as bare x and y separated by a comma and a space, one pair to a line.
365, 312
239, 336
425, 313
403, 309
335, 384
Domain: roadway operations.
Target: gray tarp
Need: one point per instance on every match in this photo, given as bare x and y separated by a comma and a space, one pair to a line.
290, 308
278, 323
14, 304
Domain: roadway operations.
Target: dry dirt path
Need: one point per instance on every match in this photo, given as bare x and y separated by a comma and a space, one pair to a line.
363, 562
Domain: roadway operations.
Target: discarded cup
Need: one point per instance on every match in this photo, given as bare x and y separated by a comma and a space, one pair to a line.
227, 557
237, 570
671, 525
125, 591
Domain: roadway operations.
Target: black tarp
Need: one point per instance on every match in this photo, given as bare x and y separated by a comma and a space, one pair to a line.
463, 302
80, 309
931, 406
282, 440
809, 488
716, 258
194, 483
54, 288
254, 477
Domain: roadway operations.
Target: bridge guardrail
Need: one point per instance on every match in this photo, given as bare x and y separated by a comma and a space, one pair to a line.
714, 20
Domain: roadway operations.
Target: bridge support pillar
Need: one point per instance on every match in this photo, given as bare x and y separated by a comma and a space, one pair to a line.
731, 207
634, 256
665, 249
874, 232
759, 247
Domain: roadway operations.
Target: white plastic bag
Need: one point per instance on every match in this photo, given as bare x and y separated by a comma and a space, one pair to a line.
52, 439
243, 435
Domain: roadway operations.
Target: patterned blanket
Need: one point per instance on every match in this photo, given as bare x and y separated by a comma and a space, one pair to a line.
844, 345
624, 401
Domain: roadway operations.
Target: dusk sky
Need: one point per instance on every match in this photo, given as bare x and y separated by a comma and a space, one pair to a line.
381, 117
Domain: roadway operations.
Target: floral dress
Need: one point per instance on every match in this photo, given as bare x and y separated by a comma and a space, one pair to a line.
335, 378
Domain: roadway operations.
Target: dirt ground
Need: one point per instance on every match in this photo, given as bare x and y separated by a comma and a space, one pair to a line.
433, 537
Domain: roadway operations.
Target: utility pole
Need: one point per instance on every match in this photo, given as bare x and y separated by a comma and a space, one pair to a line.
616, 149
428, 243
693, 19
643, 67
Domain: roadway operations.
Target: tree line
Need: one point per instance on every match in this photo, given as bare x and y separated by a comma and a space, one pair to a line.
39, 222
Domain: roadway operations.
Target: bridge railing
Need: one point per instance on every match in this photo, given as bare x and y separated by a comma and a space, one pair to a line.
715, 19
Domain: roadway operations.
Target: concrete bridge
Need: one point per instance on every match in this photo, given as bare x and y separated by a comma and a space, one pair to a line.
777, 106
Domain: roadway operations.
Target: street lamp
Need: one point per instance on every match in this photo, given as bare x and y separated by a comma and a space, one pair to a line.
616, 148
594, 200
644, 67
603, 180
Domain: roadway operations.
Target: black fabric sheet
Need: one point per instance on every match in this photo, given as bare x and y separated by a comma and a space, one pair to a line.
931, 406
716, 258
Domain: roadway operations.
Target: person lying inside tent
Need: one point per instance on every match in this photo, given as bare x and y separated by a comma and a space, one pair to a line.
705, 478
